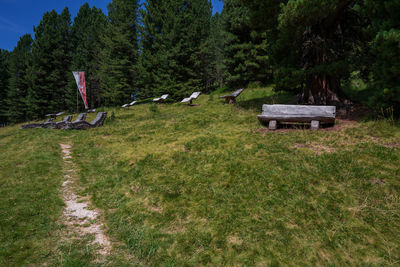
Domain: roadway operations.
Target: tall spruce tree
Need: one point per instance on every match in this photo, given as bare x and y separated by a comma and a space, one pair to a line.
119, 56
246, 49
88, 27
19, 84
4, 80
214, 53
51, 59
324, 32
384, 54
174, 58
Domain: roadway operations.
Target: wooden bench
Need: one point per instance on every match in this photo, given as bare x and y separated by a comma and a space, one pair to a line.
191, 98
231, 99
274, 114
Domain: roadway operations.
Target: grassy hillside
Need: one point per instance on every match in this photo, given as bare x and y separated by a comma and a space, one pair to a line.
207, 185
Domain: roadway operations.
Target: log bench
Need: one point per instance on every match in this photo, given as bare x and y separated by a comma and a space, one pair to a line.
315, 115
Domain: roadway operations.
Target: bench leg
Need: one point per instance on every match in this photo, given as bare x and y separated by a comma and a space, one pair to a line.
272, 125
314, 125
230, 100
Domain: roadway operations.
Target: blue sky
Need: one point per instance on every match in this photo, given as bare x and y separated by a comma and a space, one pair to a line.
17, 17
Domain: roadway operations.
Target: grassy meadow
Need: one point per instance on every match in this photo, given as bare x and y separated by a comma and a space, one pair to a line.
207, 185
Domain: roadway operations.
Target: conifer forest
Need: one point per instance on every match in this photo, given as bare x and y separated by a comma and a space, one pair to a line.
315, 49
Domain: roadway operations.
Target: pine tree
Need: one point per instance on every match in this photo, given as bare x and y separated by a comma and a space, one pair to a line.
157, 59
87, 29
174, 57
51, 59
119, 57
214, 53
320, 39
384, 55
18, 86
246, 48
4, 80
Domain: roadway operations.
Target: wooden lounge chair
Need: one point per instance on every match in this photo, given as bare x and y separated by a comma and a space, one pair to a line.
274, 114
37, 125
84, 125
160, 99
57, 125
61, 124
231, 99
129, 105
81, 117
54, 116
191, 98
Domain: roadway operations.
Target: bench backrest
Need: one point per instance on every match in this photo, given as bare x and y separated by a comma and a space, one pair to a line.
67, 118
100, 118
81, 117
299, 110
237, 92
195, 95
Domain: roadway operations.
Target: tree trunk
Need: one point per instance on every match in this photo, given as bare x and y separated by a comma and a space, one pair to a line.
323, 45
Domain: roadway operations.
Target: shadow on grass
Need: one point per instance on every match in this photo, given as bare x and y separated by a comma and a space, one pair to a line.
256, 103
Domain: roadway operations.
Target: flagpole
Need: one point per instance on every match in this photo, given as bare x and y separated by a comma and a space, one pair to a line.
77, 103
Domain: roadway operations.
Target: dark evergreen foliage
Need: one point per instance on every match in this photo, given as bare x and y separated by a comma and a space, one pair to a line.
51, 60
310, 47
119, 56
4, 80
86, 33
18, 85
174, 57
246, 55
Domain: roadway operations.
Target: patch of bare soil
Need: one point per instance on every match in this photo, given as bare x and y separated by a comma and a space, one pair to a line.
80, 219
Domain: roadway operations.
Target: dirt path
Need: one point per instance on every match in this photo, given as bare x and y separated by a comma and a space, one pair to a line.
80, 219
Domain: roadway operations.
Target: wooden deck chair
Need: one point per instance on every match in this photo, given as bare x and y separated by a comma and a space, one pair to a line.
191, 98
161, 99
84, 125
231, 99
62, 123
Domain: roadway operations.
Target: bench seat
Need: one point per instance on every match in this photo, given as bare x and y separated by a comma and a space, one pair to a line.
315, 115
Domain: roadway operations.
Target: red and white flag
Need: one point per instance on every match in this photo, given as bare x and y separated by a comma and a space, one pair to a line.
80, 82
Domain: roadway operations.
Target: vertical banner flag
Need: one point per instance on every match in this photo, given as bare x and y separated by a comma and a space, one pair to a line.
80, 82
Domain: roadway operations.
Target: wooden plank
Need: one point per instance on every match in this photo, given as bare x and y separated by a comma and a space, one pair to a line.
299, 111
295, 118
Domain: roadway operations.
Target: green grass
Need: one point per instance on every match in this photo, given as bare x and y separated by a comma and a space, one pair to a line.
30, 176
208, 185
